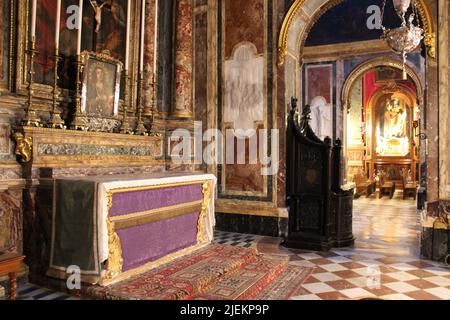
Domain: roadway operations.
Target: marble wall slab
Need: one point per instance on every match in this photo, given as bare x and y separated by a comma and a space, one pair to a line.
183, 59
249, 224
244, 94
11, 221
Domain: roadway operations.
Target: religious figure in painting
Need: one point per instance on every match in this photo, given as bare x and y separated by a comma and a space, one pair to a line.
395, 117
98, 13
100, 93
111, 36
321, 118
392, 129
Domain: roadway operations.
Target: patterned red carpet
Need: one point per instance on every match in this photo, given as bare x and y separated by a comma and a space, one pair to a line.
217, 272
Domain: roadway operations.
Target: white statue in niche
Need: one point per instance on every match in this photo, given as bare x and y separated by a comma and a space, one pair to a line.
321, 118
244, 88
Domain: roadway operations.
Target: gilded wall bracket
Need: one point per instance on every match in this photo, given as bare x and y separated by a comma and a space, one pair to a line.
24, 147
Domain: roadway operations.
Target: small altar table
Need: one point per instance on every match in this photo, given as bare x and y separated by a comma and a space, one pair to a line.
114, 227
10, 265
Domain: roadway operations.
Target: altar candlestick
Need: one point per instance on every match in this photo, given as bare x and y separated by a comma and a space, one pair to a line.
33, 20
141, 64
127, 41
58, 24
80, 24
155, 45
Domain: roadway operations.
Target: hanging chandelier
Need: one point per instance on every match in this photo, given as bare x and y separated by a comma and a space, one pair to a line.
406, 38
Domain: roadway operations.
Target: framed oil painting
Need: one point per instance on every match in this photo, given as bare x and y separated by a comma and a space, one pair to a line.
100, 89
386, 74
392, 127
109, 35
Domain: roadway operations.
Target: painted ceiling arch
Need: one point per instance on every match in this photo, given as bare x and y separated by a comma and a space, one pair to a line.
303, 14
379, 62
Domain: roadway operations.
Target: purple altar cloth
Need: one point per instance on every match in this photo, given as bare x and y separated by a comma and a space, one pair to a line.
145, 200
150, 242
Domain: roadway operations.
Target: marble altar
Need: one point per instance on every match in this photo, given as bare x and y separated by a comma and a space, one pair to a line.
117, 226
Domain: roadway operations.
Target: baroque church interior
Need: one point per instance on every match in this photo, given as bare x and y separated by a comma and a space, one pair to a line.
224, 150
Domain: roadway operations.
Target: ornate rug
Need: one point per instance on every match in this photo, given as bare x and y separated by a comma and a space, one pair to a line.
217, 272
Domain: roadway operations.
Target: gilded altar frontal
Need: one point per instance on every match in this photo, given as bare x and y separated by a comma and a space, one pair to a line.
261, 151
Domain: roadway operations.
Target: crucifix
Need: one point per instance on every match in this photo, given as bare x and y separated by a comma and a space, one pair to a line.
98, 13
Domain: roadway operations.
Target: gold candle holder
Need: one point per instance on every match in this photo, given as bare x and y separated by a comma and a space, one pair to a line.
31, 118
141, 129
126, 128
148, 108
153, 106
55, 117
79, 120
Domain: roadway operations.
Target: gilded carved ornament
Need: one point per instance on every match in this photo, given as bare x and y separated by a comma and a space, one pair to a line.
115, 259
201, 233
24, 147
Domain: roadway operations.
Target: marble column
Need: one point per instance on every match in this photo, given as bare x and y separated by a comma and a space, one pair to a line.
149, 51
444, 121
432, 124
201, 65
182, 104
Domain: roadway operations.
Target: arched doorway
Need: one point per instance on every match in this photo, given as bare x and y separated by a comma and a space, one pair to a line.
359, 114
297, 27
298, 22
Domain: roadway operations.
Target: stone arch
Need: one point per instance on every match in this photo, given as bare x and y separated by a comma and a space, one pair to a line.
380, 62
303, 14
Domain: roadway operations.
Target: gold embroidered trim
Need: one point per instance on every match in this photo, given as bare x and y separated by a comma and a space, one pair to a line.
152, 216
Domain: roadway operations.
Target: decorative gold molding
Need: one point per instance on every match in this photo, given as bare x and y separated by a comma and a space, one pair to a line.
377, 62
44, 139
342, 50
249, 208
115, 260
155, 215
24, 147
430, 42
285, 28
201, 232
422, 7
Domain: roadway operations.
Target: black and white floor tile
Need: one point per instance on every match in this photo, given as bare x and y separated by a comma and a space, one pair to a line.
234, 239
32, 292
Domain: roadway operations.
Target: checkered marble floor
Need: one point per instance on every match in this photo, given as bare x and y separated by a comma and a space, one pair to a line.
32, 292
384, 263
356, 275
234, 239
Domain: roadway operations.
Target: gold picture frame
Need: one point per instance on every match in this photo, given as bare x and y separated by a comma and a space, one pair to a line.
100, 91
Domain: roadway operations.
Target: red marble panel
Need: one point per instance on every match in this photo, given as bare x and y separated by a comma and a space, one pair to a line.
244, 21
319, 82
4, 139
183, 58
149, 50
244, 177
